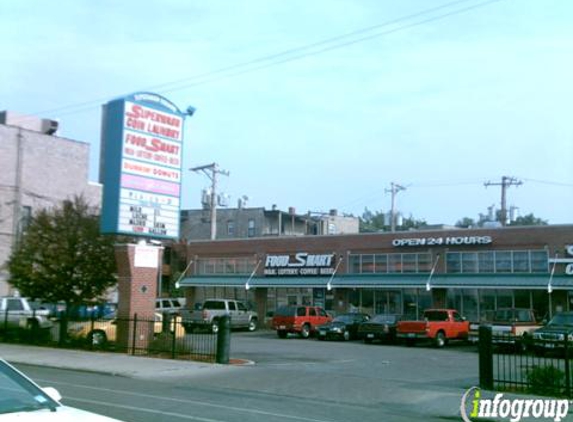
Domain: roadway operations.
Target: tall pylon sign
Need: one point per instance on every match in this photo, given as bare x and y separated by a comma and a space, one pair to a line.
140, 166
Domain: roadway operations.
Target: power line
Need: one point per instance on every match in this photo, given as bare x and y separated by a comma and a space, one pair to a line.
245, 67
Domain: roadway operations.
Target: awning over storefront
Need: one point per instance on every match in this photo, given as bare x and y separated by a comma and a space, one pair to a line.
397, 281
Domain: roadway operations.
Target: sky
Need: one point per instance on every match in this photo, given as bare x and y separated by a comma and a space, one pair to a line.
322, 104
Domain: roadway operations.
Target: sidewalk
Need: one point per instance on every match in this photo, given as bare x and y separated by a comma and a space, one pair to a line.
109, 363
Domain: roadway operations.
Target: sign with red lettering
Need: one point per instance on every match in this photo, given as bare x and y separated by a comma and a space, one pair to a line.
142, 148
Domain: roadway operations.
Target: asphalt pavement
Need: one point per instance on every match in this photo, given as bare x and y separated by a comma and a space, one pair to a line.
438, 401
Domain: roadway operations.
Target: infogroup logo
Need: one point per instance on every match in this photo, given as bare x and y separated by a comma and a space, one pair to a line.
474, 407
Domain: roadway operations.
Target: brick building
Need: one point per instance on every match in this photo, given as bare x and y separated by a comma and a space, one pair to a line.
241, 222
473, 270
39, 170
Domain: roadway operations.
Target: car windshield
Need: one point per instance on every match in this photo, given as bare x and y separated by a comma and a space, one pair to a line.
17, 394
562, 319
384, 318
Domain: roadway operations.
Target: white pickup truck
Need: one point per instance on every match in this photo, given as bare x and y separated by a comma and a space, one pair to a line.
213, 309
16, 312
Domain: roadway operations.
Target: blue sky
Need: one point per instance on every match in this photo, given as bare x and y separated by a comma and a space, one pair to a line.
439, 107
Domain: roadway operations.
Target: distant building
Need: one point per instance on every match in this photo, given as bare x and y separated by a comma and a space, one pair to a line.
39, 170
240, 223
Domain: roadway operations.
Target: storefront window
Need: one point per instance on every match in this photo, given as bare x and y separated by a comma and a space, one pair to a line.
424, 263
381, 263
539, 262
410, 304
354, 298
395, 263
522, 298
541, 303
521, 262
380, 301
503, 262
469, 262
424, 300
394, 302
409, 263
487, 304
486, 262
453, 262
367, 303
454, 299
354, 264
470, 304
504, 299
367, 263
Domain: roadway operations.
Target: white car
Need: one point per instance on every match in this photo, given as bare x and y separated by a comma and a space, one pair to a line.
23, 400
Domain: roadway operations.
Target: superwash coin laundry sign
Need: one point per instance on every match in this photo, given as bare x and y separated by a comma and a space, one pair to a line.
142, 143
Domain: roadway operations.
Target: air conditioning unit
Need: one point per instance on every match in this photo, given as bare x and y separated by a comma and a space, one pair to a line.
49, 127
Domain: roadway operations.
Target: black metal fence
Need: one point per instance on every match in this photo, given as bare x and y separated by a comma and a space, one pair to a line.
518, 364
163, 337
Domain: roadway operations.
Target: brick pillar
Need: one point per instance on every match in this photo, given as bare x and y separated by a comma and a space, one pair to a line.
137, 267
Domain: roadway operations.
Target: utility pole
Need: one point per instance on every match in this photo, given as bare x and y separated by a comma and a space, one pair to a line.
395, 188
506, 182
211, 171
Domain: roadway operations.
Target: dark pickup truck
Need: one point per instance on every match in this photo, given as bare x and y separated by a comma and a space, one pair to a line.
555, 333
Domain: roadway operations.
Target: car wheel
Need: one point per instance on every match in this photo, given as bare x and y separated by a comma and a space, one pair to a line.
253, 325
215, 327
282, 334
305, 331
346, 336
97, 338
440, 339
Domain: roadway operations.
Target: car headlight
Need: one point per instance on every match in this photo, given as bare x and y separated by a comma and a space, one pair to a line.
570, 337
338, 329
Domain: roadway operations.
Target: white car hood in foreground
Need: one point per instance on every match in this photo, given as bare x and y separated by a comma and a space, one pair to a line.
62, 414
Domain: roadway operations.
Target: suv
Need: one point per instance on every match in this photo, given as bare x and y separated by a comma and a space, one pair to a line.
302, 320
169, 305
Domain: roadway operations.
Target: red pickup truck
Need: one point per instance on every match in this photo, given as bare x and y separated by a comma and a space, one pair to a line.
438, 325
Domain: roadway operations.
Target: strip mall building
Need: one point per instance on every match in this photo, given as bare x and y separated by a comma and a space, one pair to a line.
472, 270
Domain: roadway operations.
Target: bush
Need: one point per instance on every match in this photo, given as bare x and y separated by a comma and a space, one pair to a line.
546, 380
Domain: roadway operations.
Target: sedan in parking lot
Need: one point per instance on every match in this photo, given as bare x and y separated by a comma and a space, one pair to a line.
343, 327
381, 327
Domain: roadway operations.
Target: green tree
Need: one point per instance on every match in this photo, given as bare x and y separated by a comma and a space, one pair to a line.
377, 221
372, 222
466, 222
63, 257
528, 220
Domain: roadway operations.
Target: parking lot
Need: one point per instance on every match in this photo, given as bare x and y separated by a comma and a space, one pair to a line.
353, 362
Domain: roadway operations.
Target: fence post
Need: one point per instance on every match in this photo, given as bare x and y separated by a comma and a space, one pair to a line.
173, 321
63, 331
485, 358
224, 340
6, 320
134, 337
567, 368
